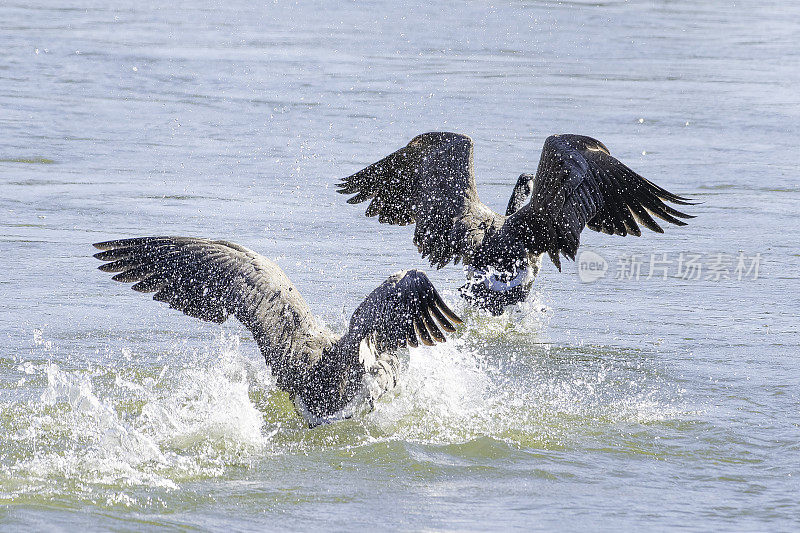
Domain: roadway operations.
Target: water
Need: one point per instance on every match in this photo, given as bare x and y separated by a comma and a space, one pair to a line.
653, 403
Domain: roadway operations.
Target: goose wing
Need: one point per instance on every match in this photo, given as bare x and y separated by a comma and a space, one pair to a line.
211, 280
404, 309
578, 184
429, 182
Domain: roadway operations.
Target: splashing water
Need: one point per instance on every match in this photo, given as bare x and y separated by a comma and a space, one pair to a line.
537, 395
211, 412
125, 426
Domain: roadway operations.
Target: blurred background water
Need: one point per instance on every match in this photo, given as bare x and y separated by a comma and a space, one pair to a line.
660, 403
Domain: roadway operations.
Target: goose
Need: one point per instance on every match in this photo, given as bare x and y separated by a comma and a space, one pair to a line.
578, 184
329, 377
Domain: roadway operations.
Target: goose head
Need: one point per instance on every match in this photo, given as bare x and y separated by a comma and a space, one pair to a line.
492, 288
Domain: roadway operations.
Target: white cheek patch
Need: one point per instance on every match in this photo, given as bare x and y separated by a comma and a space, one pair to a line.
366, 353
494, 284
498, 286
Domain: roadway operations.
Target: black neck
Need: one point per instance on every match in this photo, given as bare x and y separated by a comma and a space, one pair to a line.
520, 195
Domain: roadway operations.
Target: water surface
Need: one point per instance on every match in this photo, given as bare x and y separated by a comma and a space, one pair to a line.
653, 403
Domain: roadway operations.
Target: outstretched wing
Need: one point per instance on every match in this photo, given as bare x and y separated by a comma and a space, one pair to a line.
579, 183
404, 309
211, 280
429, 182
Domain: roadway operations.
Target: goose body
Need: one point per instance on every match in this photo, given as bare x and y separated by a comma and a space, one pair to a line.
431, 183
328, 377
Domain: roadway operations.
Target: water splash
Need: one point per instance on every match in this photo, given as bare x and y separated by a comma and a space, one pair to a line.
137, 427
525, 319
499, 380
209, 412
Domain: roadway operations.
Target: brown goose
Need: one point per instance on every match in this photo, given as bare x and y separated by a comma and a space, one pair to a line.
578, 184
329, 377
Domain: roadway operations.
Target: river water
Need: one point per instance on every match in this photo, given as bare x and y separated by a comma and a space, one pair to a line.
665, 394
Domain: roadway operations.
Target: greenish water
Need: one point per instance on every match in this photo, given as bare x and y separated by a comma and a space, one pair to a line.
663, 402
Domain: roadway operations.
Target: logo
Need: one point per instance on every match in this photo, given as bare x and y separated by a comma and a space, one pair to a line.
591, 266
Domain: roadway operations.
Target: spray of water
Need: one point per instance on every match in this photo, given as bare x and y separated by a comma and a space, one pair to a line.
206, 412
129, 426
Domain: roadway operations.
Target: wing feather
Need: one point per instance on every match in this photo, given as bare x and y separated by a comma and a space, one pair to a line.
429, 182
579, 184
212, 280
405, 309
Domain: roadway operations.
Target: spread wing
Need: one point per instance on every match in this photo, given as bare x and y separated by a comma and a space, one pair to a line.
579, 183
211, 280
404, 309
429, 182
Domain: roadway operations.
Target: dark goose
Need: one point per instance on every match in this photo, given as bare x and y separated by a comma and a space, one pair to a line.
431, 182
329, 377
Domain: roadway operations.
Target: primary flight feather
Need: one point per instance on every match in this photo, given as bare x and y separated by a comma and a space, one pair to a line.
431, 183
